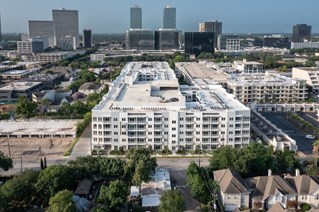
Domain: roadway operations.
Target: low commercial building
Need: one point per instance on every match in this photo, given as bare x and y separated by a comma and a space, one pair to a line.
267, 88
50, 56
17, 74
310, 74
38, 129
12, 91
49, 81
146, 107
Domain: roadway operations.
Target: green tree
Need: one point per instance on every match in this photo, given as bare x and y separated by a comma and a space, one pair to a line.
134, 156
85, 167
114, 195
53, 179
19, 193
62, 202
199, 188
5, 162
26, 108
172, 201
285, 161
111, 167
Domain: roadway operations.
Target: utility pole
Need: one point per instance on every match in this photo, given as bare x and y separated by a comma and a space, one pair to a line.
9, 149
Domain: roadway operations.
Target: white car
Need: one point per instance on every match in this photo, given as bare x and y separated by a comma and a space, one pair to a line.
310, 136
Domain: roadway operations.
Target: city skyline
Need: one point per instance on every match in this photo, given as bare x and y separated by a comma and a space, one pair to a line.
241, 17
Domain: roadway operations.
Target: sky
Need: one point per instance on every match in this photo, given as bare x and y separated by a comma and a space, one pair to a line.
112, 16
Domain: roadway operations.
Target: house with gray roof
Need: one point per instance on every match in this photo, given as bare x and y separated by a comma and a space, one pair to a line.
307, 188
233, 190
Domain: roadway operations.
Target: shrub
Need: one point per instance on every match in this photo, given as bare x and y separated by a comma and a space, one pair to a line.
305, 206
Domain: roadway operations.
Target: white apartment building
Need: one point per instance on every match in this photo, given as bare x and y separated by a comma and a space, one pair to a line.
310, 74
305, 45
146, 107
267, 88
245, 66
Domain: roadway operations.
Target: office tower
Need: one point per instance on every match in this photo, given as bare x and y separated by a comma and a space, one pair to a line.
166, 39
169, 18
31, 46
300, 33
66, 25
198, 42
212, 26
43, 29
228, 42
272, 41
136, 17
87, 38
0, 29
139, 39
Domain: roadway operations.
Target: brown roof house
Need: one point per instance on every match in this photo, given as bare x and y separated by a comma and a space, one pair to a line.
233, 190
269, 190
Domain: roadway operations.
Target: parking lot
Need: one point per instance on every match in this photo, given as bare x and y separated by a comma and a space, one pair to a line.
279, 119
310, 117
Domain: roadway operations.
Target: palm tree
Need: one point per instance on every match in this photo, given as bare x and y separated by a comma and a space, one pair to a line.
315, 151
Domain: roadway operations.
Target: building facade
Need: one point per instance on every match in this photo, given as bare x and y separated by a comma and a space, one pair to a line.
136, 17
228, 42
169, 18
310, 74
164, 114
167, 39
198, 42
140, 39
301, 33
42, 29
267, 88
87, 38
66, 25
248, 67
212, 26
30, 46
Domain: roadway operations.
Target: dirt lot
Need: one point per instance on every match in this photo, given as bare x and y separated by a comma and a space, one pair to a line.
32, 150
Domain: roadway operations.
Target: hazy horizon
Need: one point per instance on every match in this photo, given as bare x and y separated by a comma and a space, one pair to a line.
246, 16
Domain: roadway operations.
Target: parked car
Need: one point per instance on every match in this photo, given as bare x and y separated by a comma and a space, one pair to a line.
310, 136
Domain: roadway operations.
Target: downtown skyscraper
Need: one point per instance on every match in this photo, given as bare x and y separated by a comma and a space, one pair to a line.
43, 29
169, 18
66, 26
136, 17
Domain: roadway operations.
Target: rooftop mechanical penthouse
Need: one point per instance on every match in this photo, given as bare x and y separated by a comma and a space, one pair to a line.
146, 107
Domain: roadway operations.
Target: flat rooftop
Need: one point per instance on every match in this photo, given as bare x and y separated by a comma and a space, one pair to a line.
144, 86
16, 72
202, 71
20, 85
38, 127
263, 79
308, 68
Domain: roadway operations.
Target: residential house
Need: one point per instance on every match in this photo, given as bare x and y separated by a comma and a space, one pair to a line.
306, 187
91, 87
233, 191
266, 191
